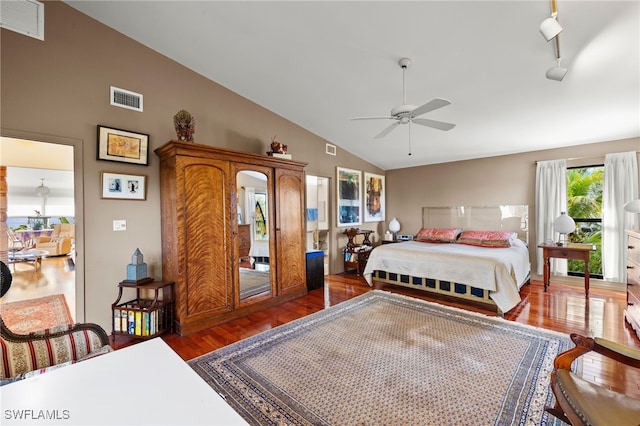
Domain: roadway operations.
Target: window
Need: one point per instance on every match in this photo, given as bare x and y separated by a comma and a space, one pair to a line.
584, 203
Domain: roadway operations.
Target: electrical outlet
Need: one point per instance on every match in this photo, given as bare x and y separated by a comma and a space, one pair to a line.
119, 225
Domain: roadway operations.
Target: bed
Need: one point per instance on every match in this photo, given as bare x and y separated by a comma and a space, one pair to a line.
477, 254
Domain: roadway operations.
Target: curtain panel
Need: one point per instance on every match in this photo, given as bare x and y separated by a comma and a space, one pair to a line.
620, 187
551, 200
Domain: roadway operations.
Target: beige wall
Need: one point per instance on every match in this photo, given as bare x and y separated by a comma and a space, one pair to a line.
508, 179
57, 90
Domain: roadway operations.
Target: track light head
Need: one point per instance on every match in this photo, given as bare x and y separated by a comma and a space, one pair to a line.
556, 73
550, 28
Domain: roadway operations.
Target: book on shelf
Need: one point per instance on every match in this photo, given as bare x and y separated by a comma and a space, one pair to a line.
131, 325
138, 330
145, 323
117, 321
153, 325
278, 155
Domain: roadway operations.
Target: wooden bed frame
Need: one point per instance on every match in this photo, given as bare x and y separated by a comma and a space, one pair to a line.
484, 218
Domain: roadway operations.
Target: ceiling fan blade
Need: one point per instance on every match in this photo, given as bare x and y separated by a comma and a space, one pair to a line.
373, 118
440, 125
430, 106
387, 130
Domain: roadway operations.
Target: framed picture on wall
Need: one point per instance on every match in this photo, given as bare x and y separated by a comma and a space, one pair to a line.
123, 146
374, 197
349, 192
118, 186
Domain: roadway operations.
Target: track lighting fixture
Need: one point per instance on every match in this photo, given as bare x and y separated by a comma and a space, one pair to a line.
556, 73
551, 30
550, 27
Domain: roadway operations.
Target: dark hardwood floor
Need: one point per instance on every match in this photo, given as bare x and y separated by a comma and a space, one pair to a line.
563, 308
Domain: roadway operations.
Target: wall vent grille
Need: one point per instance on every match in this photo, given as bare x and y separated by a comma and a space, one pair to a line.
330, 149
126, 99
24, 17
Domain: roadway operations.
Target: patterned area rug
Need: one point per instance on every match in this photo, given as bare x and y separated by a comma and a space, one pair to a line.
30, 315
382, 358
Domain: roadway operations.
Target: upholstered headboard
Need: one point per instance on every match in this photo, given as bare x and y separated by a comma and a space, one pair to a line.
513, 218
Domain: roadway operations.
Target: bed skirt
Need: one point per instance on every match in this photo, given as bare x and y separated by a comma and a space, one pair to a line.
431, 285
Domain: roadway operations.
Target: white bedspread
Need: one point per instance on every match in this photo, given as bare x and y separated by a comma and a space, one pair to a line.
500, 270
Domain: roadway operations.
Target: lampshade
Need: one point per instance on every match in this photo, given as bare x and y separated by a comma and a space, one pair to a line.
394, 225
632, 206
550, 27
42, 191
564, 224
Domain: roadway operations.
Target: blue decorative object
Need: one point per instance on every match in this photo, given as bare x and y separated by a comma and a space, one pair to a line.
137, 269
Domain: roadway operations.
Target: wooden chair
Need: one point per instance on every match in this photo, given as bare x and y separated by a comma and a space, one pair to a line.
579, 402
14, 242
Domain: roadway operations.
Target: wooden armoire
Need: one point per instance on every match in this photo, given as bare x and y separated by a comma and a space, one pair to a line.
200, 239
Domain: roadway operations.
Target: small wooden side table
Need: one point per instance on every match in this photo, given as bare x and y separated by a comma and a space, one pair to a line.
146, 316
357, 255
571, 251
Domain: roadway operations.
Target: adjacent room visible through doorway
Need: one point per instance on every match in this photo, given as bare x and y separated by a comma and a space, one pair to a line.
40, 219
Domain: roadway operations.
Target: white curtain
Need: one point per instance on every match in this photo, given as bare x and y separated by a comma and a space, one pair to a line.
551, 200
620, 187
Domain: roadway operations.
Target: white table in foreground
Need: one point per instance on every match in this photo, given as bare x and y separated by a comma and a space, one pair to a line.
143, 384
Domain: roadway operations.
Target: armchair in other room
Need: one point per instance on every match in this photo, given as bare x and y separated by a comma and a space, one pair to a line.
60, 242
579, 402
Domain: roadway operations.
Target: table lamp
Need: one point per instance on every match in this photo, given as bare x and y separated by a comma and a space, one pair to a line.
394, 227
564, 225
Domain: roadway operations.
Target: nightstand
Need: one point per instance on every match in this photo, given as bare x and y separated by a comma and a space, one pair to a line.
570, 251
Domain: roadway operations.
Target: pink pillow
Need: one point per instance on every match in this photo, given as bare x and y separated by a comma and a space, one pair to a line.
438, 235
498, 239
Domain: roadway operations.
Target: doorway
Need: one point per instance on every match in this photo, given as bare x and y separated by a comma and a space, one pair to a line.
40, 178
317, 190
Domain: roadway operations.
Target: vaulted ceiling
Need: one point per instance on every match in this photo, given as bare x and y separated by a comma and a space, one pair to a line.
321, 63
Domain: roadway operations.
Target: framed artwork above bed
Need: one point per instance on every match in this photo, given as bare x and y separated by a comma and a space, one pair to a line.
374, 197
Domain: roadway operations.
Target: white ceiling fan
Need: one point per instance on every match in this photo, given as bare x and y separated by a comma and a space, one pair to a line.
407, 114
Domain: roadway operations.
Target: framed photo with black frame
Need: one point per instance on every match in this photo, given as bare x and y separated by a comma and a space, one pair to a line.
118, 186
349, 192
123, 146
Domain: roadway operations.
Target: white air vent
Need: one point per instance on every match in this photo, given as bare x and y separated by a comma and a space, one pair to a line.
23, 16
330, 149
126, 99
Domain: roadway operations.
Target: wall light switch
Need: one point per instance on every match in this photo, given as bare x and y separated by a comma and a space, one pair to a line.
119, 225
